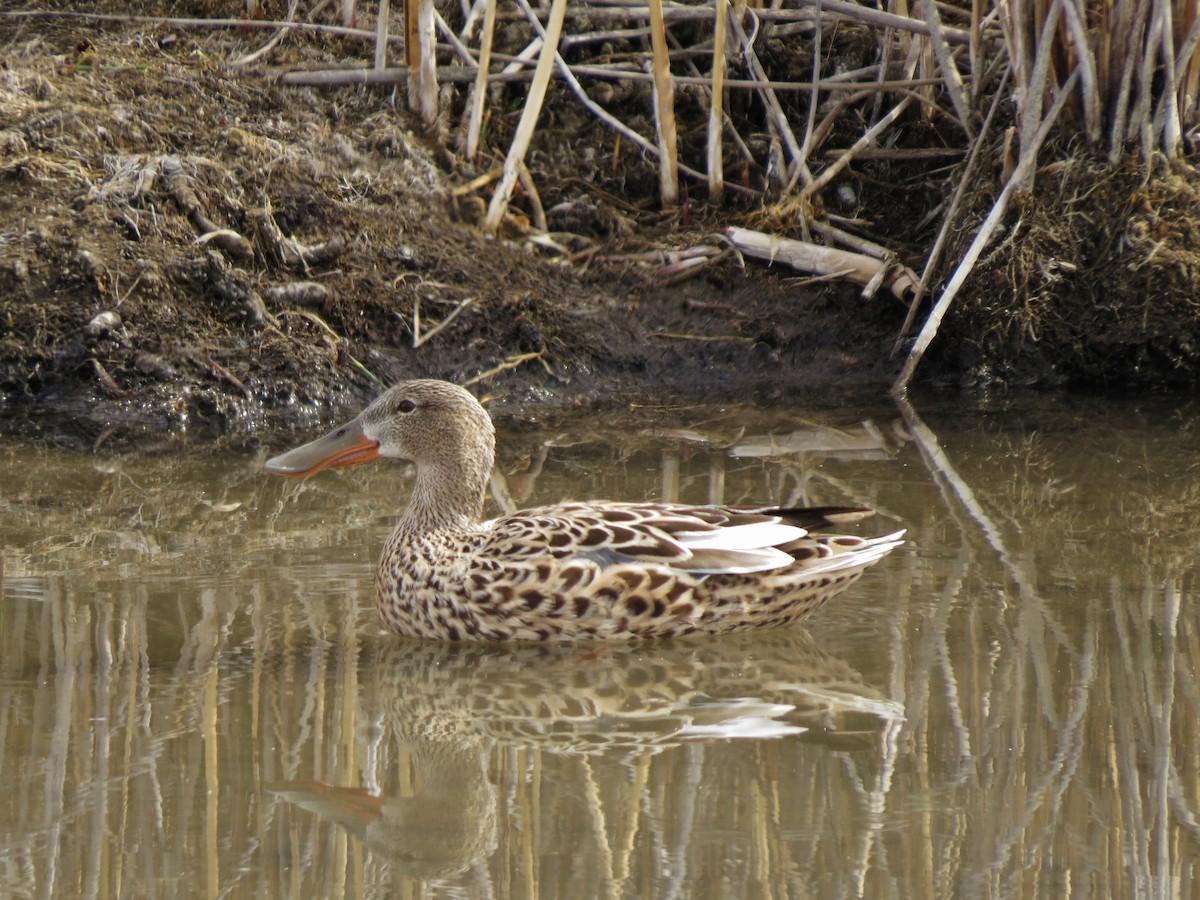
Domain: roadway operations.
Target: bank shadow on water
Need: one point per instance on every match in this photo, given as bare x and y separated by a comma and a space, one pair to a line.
195, 698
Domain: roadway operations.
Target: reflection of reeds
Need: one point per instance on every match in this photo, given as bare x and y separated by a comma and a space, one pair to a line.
163, 661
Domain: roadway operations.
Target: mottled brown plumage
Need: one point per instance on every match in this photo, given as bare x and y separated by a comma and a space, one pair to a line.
576, 571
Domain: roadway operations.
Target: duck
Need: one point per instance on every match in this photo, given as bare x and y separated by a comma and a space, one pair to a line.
575, 571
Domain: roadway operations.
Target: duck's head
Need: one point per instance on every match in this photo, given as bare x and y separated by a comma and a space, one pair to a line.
435, 424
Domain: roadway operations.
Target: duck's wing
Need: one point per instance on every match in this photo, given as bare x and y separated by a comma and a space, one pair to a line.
700, 540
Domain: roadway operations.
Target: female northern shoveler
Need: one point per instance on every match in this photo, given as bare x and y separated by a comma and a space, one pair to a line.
577, 571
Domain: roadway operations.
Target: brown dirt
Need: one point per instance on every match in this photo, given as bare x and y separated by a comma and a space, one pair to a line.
157, 205
1096, 281
123, 144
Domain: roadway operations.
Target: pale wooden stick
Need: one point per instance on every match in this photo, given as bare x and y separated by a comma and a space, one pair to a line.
381, 35
598, 111
1186, 50
778, 118
1187, 69
975, 48
982, 238
834, 8
853, 241
537, 211
802, 170
275, 38
529, 116
716, 109
1140, 122
1030, 113
1121, 107
951, 216
664, 109
952, 79
417, 338
479, 92
1089, 87
599, 37
516, 69
870, 16
422, 59
1166, 119
461, 50
513, 361
518, 65
856, 267
868, 137
703, 82
471, 19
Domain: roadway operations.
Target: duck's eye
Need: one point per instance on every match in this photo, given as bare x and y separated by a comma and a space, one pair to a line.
406, 406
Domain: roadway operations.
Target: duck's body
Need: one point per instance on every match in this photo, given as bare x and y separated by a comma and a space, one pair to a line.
577, 571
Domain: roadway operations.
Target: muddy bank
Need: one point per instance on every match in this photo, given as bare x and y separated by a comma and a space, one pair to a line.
191, 247
188, 246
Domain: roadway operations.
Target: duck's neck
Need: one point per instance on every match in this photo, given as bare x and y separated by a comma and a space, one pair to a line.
447, 495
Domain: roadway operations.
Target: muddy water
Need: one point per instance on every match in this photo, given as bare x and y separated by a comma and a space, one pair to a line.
196, 700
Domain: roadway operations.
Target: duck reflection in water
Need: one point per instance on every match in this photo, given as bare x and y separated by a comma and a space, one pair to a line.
451, 706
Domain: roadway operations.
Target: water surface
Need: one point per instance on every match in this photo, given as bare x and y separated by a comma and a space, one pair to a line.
196, 698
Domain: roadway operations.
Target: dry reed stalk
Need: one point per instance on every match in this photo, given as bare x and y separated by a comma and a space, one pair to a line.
417, 337
1166, 128
1039, 84
951, 78
975, 46
598, 111
716, 109
808, 257
529, 116
381, 35
421, 53
180, 22
802, 171
1140, 123
1187, 71
275, 38
510, 363
948, 220
835, 9
865, 15
702, 82
778, 118
537, 212
479, 91
664, 109
844, 160
1022, 175
461, 50
1123, 63
1089, 84
618, 73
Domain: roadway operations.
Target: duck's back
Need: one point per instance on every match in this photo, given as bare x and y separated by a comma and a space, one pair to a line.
618, 571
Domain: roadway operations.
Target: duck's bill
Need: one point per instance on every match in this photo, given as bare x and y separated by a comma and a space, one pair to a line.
344, 446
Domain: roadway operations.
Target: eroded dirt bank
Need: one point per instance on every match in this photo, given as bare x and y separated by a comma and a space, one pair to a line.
159, 209
188, 245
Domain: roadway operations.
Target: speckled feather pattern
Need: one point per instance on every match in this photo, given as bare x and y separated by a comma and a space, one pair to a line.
576, 571
573, 573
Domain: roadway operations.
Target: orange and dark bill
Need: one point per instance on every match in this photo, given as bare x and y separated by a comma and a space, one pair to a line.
343, 446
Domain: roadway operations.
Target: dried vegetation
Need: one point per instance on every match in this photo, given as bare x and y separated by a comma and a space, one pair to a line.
203, 217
